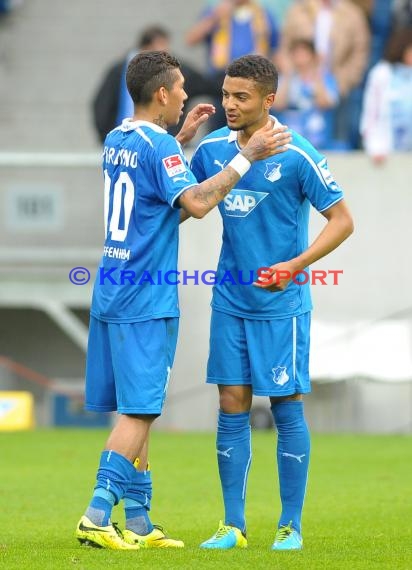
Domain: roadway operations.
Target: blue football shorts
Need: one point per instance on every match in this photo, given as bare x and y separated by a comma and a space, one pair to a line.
128, 365
271, 356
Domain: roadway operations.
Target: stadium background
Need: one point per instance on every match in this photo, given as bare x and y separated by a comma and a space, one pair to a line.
53, 54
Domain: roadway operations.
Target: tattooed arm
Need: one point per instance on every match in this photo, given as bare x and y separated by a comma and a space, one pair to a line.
184, 215
199, 200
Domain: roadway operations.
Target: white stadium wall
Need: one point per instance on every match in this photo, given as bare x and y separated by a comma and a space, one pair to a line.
51, 213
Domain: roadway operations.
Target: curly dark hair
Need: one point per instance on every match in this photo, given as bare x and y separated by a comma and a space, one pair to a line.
257, 68
147, 72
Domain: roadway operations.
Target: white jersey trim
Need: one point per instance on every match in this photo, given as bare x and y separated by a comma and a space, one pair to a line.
212, 140
144, 136
316, 169
181, 192
310, 160
130, 125
330, 205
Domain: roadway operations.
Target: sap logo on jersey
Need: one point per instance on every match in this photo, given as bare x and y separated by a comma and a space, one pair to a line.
239, 203
174, 165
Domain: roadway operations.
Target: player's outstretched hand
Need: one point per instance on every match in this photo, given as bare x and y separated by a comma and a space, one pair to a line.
196, 117
266, 142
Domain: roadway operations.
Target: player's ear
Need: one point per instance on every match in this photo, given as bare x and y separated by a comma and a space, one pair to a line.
269, 100
162, 95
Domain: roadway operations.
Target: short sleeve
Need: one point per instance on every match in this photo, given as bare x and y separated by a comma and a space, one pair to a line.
317, 182
172, 170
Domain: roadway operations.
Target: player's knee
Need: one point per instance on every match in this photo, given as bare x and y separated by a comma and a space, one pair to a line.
292, 397
234, 401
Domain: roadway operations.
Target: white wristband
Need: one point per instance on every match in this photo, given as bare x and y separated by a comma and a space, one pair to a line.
240, 163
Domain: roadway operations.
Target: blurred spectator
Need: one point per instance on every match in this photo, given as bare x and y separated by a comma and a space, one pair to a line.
367, 5
231, 29
8, 5
112, 102
380, 16
402, 13
307, 92
340, 31
278, 8
386, 121
380, 21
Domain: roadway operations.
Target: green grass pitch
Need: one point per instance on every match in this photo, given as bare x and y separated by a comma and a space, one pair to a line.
358, 511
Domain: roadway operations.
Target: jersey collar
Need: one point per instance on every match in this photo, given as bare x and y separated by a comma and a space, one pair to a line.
130, 125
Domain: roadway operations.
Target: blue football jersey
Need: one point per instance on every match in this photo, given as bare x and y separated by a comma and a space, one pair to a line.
145, 172
265, 221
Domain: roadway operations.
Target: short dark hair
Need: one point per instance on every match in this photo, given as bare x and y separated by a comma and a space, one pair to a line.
149, 35
147, 72
257, 68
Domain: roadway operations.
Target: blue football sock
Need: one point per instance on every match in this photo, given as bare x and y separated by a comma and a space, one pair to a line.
137, 502
113, 479
234, 456
293, 452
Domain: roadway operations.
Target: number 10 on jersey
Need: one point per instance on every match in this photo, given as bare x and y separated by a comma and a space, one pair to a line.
122, 201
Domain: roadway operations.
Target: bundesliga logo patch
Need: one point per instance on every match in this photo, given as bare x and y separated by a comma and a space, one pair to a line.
327, 176
174, 165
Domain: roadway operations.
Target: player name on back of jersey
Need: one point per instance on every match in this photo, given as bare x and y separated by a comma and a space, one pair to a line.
116, 252
123, 156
